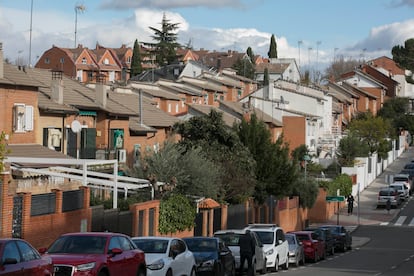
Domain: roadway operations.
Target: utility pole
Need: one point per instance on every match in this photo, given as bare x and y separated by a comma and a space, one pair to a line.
78, 8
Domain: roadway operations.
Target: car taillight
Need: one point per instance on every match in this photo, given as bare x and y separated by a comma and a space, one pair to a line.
307, 243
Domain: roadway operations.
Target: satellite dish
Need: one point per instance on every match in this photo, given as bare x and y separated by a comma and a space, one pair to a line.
76, 126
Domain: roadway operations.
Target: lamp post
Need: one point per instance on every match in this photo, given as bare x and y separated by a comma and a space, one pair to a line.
78, 8
299, 44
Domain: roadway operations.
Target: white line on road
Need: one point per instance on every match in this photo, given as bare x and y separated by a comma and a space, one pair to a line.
412, 222
400, 220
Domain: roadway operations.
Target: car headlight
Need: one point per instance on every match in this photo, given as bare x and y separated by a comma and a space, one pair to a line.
159, 264
270, 252
85, 267
207, 263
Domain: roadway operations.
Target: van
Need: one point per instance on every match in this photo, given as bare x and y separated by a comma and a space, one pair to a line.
404, 178
390, 194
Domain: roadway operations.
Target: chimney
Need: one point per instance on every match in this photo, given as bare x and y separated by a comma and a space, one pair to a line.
57, 87
101, 93
1, 61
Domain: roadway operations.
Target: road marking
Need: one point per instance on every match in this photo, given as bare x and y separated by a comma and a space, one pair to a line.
412, 222
400, 220
384, 223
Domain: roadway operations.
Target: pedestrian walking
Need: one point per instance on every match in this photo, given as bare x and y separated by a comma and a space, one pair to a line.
247, 250
350, 201
388, 205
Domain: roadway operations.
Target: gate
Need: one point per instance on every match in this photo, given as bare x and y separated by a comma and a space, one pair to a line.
17, 216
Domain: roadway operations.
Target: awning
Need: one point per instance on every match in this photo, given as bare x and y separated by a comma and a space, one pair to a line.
87, 113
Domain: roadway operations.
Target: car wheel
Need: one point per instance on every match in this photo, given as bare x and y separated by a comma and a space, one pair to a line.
302, 260
193, 272
323, 257
297, 261
169, 273
343, 247
102, 273
276, 267
333, 250
253, 268
232, 270
141, 272
286, 264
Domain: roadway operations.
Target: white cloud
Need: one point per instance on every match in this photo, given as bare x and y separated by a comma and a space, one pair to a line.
169, 4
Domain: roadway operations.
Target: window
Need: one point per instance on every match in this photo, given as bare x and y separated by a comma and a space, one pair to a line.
84, 61
28, 254
22, 118
11, 252
106, 61
62, 60
47, 60
176, 108
128, 60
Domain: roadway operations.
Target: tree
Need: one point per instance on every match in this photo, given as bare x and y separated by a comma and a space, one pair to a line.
186, 172
223, 147
373, 131
250, 53
136, 67
349, 148
166, 42
176, 214
307, 191
340, 66
273, 48
404, 55
244, 67
343, 183
396, 110
3, 150
275, 173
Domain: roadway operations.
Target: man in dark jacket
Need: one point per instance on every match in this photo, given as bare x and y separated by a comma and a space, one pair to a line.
247, 251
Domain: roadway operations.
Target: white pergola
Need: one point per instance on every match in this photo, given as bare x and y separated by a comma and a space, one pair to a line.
86, 177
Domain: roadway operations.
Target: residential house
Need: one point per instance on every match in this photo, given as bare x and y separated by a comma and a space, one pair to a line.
87, 65
367, 83
306, 113
247, 85
280, 68
212, 92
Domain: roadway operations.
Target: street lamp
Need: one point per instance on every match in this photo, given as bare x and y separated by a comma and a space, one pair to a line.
299, 44
78, 8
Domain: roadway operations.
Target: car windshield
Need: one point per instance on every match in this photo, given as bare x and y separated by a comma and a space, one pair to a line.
265, 237
400, 179
290, 239
230, 239
201, 245
78, 245
302, 237
152, 245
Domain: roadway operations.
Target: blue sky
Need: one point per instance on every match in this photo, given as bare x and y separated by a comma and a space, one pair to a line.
355, 28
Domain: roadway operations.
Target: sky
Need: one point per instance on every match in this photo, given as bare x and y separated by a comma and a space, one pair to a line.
314, 32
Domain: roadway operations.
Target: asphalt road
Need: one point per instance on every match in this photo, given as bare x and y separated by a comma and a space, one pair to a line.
383, 242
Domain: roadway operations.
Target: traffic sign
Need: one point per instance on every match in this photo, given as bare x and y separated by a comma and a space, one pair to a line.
335, 198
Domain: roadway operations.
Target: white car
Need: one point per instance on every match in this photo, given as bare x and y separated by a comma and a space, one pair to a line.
166, 256
275, 245
231, 238
402, 189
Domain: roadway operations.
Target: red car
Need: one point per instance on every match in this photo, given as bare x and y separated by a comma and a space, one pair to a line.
96, 254
18, 257
313, 247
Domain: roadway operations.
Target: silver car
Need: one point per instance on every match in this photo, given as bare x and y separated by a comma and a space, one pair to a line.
296, 252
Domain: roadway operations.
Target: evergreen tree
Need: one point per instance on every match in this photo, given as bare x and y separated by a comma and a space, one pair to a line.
244, 67
166, 42
136, 67
250, 53
273, 48
404, 55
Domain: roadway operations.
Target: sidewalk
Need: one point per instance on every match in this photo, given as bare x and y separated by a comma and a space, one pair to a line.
365, 210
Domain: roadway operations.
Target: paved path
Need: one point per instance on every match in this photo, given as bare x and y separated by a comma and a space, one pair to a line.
365, 208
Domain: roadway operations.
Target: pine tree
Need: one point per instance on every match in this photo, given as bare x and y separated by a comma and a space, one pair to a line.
250, 53
136, 67
166, 42
273, 48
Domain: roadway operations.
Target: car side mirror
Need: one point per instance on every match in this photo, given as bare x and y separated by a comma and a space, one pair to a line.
42, 250
116, 251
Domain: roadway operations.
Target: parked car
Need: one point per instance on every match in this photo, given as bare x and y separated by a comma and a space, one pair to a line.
296, 252
275, 245
212, 256
388, 193
95, 253
405, 178
18, 257
325, 235
343, 237
231, 238
313, 247
166, 256
402, 189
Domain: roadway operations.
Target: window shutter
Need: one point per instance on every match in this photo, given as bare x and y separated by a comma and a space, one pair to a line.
28, 118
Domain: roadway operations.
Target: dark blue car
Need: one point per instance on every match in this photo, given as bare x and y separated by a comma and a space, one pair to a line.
212, 256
